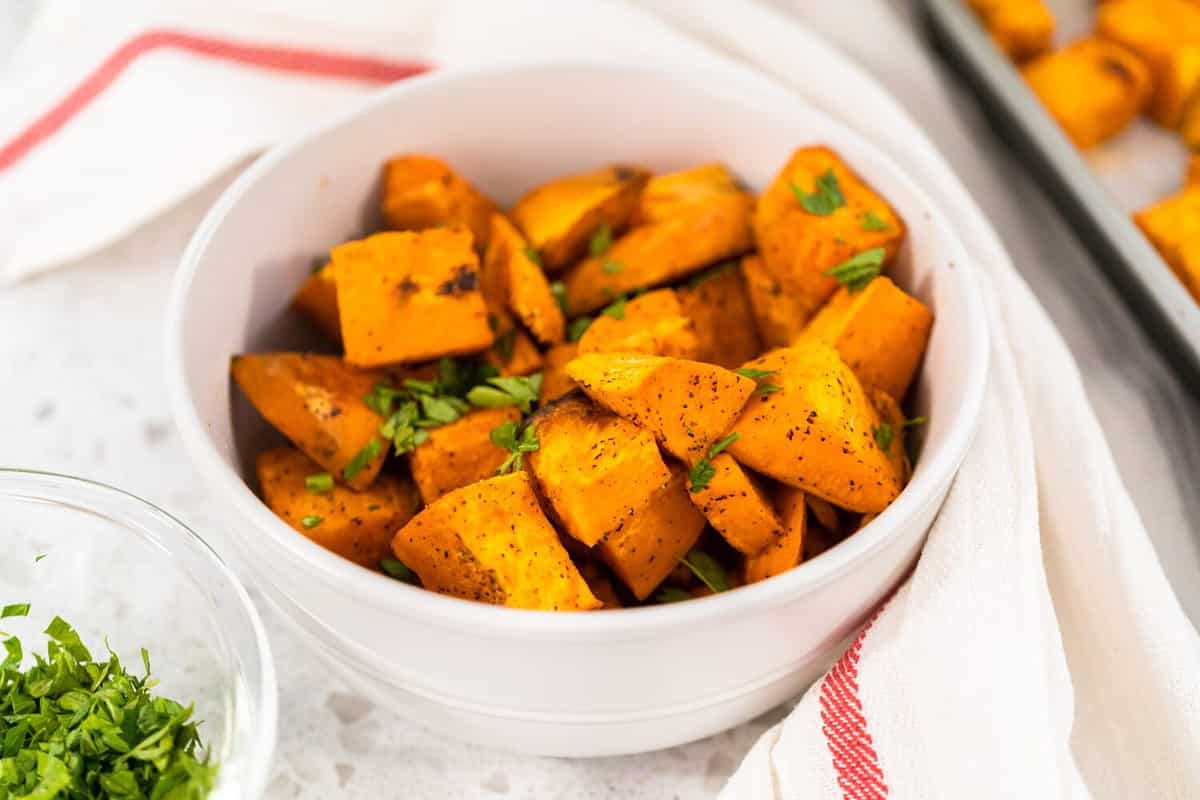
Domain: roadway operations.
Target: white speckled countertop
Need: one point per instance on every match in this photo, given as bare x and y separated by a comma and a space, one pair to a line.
82, 356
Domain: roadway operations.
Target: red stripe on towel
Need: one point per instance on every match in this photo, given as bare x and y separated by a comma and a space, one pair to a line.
855, 762
320, 63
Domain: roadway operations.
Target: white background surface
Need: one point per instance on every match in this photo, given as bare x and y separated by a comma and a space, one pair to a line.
81, 354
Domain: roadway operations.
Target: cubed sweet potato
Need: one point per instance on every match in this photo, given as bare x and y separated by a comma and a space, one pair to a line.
1022, 29
653, 324
355, 525
735, 503
816, 214
687, 405
880, 332
317, 402
891, 432
1173, 227
521, 283
491, 542
788, 549
661, 252
826, 515
555, 381
600, 581
1163, 34
595, 469
676, 193
513, 352
560, 217
460, 453
719, 306
317, 300
778, 316
647, 547
408, 297
423, 192
816, 431
1093, 87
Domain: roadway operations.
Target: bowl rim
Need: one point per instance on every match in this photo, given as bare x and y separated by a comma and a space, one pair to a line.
40, 485
937, 469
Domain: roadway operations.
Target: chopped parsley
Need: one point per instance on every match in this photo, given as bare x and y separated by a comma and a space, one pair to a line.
310, 521
883, 435
600, 242
915, 421
319, 483
15, 610
759, 376
616, 309
398, 570
825, 198
559, 290
701, 474
707, 569
716, 449
671, 594
506, 436
857, 271
533, 255
577, 327
360, 461
506, 391
504, 345
872, 222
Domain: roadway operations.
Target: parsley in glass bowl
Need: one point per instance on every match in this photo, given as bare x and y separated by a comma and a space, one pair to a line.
127, 578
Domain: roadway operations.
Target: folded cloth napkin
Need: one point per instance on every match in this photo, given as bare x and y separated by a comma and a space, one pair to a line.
1035, 651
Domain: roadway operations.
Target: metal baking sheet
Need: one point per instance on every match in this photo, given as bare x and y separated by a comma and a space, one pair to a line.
1096, 190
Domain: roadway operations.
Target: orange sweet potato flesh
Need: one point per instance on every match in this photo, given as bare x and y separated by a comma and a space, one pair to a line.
1173, 226
601, 583
880, 332
491, 542
653, 324
410, 297
560, 217
355, 525
779, 317
555, 381
424, 192
648, 546
594, 469
798, 247
513, 352
787, 550
824, 512
719, 307
521, 283
661, 252
735, 503
687, 405
1164, 35
1022, 29
677, 193
816, 432
317, 300
459, 453
317, 402
891, 415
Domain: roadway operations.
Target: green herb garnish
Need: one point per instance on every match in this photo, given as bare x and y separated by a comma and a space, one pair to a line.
505, 435
671, 594
311, 521
577, 327
872, 222
759, 376
15, 610
716, 449
75, 729
826, 197
883, 435
319, 483
398, 570
601, 240
857, 271
616, 309
507, 391
504, 345
360, 461
706, 568
533, 255
381, 398
610, 267
39, 557
915, 421
701, 474
420, 387
559, 290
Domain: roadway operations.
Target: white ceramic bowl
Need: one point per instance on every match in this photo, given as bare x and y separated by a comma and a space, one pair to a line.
539, 682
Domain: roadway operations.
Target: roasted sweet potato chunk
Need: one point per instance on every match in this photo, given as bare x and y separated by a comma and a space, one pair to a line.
521, 282
1163, 34
779, 317
595, 469
491, 542
424, 192
734, 502
880, 332
559, 218
1117, 81
1022, 29
687, 405
653, 324
555, 381
824, 512
317, 402
317, 300
513, 352
719, 306
680, 192
788, 549
408, 297
600, 582
1173, 227
817, 214
890, 433
816, 432
647, 547
355, 525
459, 453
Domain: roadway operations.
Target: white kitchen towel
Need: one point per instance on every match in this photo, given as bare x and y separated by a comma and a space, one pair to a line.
1036, 651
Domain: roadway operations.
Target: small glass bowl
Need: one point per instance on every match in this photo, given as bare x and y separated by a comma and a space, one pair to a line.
123, 571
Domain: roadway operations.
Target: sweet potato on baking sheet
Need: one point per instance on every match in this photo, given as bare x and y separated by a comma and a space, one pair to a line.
559, 218
1173, 227
424, 192
491, 542
816, 431
880, 332
355, 525
317, 300
460, 452
653, 324
787, 550
719, 306
523, 288
1093, 88
687, 405
409, 297
1022, 29
595, 469
317, 402
736, 504
649, 543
